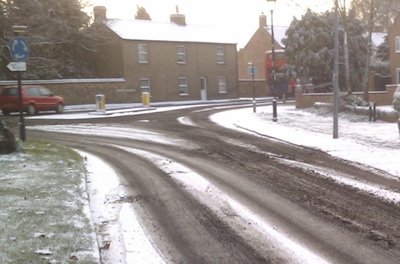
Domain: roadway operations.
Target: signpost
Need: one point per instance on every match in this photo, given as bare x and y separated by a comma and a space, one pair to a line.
17, 66
19, 48
19, 51
251, 70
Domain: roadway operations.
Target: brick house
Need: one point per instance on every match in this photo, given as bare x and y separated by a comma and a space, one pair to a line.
254, 51
171, 61
394, 47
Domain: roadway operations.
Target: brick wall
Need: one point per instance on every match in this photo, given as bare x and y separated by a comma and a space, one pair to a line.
83, 91
304, 100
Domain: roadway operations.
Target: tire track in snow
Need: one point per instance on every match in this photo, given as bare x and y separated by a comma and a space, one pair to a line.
224, 206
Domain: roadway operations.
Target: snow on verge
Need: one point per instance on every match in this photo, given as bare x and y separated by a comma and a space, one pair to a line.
119, 232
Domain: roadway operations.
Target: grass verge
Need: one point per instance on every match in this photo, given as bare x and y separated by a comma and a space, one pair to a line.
44, 216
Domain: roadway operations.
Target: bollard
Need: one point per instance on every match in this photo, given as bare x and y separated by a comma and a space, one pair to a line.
146, 99
101, 103
398, 126
274, 111
374, 111
370, 112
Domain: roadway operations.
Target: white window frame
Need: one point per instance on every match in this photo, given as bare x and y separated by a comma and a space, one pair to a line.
145, 85
222, 87
183, 86
143, 53
181, 54
220, 55
397, 44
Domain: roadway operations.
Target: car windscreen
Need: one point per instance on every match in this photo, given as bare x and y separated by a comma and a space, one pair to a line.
10, 91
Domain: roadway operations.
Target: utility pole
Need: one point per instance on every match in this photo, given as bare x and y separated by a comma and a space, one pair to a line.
336, 76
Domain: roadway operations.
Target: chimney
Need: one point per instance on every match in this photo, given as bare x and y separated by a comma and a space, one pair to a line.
177, 18
100, 13
263, 20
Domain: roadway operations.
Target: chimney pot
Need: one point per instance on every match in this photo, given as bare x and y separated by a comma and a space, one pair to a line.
263, 20
100, 13
177, 18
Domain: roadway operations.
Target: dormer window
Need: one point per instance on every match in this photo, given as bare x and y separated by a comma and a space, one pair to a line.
181, 54
220, 55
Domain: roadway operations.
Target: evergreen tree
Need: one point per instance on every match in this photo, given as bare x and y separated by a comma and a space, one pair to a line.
142, 14
309, 48
55, 35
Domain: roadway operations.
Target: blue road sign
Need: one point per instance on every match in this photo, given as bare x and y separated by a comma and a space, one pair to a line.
19, 49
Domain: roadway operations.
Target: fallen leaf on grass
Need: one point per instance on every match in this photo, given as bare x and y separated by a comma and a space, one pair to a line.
106, 245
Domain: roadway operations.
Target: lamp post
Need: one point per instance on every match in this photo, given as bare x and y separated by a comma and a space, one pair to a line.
22, 134
271, 7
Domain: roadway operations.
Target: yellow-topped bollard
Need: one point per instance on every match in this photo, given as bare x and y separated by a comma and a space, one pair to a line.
101, 103
146, 99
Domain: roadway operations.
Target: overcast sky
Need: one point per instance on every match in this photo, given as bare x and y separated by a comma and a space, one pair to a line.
240, 15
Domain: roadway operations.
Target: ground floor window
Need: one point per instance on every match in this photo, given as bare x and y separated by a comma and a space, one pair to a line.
222, 84
183, 86
145, 85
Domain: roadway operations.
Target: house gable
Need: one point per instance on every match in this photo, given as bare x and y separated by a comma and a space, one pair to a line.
255, 49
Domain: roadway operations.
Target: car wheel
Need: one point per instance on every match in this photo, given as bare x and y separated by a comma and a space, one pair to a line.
60, 108
31, 109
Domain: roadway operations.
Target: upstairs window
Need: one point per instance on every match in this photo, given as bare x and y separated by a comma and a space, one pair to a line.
181, 54
145, 85
183, 86
222, 84
143, 53
220, 55
397, 44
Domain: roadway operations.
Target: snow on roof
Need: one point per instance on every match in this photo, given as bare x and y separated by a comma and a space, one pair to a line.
167, 31
279, 33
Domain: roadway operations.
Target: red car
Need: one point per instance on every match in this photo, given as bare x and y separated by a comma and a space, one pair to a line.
35, 98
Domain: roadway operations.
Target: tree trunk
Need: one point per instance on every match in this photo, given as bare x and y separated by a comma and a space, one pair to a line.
369, 50
346, 63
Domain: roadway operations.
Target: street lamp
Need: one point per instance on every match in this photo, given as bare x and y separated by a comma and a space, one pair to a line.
271, 7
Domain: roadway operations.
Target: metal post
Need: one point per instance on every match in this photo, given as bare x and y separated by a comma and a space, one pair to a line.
22, 134
254, 92
336, 76
274, 110
374, 104
273, 53
370, 112
252, 71
398, 126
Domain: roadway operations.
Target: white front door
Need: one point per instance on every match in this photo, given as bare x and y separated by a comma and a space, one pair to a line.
203, 88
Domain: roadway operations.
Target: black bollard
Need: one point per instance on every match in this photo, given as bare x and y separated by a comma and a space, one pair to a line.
398, 125
274, 111
374, 112
370, 112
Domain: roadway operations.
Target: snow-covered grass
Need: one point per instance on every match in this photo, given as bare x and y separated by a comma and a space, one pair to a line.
43, 216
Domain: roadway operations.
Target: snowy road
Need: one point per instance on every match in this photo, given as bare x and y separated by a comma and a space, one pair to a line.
209, 194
